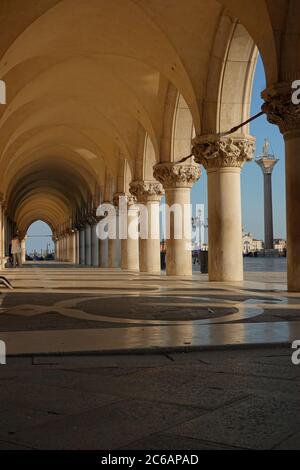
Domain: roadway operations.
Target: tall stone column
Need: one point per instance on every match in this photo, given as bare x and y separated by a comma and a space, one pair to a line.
102, 245
267, 162
88, 245
57, 249
82, 245
77, 236
281, 111
72, 247
114, 244
114, 253
23, 248
177, 180
67, 243
2, 251
148, 194
223, 159
95, 246
128, 221
60, 248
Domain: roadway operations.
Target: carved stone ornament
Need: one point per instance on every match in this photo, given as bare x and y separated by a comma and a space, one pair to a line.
213, 151
131, 200
145, 191
280, 109
177, 175
92, 218
116, 198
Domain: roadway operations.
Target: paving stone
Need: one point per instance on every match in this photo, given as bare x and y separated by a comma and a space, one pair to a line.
52, 399
255, 423
16, 418
110, 427
173, 442
4, 445
84, 362
291, 443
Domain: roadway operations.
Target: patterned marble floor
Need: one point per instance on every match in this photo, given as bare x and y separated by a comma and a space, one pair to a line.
66, 309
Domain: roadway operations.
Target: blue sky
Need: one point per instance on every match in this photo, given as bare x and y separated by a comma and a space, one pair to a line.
252, 179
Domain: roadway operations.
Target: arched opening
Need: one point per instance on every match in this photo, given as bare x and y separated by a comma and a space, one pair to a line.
253, 202
39, 242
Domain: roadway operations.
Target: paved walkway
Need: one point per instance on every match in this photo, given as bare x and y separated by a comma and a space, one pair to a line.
245, 398
202, 400
65, 309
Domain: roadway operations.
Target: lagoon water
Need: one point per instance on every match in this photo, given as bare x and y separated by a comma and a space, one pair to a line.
265, 265
260, 265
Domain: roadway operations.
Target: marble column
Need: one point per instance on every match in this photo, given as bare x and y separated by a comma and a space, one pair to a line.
77, 234
103, 248
23, 248
177, 180
114, 246
88, 245
2, 251
60, 248
72, 247
148, 194
267, 163
128, 218
95, 247
57, 249
66, 257
281, 110
223, 159
65, 246
82, 246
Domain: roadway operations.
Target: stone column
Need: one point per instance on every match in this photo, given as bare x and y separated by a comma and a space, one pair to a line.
148, 194
77, 259
67, 242
114, 253
62, 247
2, 251
95, 247
88, 245
114, 244
102, 243
57, 249
268, 212
281, 111
128, 220
82, 246
23, 248
223, 158
103, 248
177, 180
72, 247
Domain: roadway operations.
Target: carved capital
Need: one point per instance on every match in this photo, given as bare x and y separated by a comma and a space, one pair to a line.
116, 198
177, 175
131, 200
214, 152
146, 191
280, 109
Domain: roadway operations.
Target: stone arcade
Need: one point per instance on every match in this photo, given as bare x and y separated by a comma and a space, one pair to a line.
115, 109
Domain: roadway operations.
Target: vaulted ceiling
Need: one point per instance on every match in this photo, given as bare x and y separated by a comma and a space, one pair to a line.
85, 77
